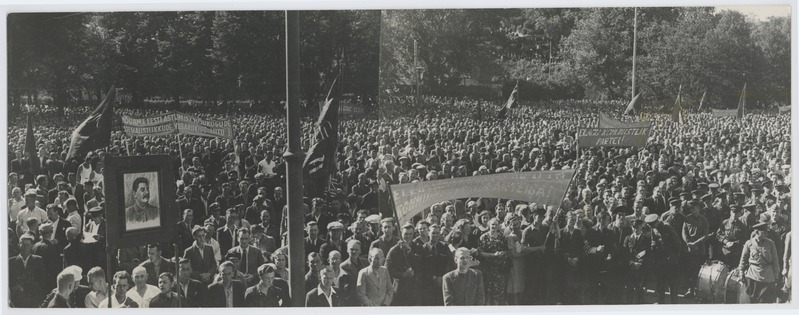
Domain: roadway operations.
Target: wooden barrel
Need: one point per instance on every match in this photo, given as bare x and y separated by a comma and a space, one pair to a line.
711, 281
735, 292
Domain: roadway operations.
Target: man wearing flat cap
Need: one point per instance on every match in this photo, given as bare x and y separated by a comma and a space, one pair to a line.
695, 234
334, 242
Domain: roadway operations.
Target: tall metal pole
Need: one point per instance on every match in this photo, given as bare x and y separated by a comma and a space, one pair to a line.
294, 158
635, 45
416, 69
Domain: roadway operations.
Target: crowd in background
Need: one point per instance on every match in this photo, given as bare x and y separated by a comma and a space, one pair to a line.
634, 219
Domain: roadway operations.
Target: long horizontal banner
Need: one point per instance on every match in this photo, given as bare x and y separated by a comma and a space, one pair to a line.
177, 123
546, 187
612, 137
607, 122
724, 112
785, 109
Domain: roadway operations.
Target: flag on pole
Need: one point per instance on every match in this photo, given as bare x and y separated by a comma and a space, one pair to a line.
631, 107
509, 104
320, 160
95, 131
30, 146
676, 112
702, 100
742, 102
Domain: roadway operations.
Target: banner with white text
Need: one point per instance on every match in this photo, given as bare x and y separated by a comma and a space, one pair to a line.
724, 112
546, 187
612, 137
177, 123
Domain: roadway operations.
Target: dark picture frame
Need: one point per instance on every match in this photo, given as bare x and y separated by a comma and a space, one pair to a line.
159, 224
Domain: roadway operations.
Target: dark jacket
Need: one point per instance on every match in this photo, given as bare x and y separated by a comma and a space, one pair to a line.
29, 278
196, 293
470, 292
216, 295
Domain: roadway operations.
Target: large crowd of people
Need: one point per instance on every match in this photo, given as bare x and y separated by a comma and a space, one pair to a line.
634, 219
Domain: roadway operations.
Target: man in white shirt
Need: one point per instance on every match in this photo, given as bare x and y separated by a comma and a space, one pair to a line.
73, 216
267, 165
142, 292
324, 295
120, 288
29, 211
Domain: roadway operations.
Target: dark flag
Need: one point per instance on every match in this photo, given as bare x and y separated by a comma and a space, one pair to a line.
702, 100
320, 160
509, 104
95, 131
676, 111
30, 147
631, 107
742, 103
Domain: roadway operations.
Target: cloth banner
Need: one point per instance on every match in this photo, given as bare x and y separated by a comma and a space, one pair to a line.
724, 112
171, 123
546, 187
607, 122
785, 109
612, 137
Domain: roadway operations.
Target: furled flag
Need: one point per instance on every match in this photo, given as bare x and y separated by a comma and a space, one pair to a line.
320, 160
631, 107
702, 100
509, 104
676, 111
30, 146
742, 102
95, 131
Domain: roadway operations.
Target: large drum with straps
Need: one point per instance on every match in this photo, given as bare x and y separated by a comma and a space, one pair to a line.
735, 292
711, 282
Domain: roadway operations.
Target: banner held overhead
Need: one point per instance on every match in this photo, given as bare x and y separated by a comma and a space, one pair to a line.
607, 122
547, 187
612, 137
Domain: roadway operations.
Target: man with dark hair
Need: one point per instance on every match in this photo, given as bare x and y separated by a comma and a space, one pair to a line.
191, 290
312, 242
203, 263
265, 293
26, 275
141, 211
226, 235
167, 297
228, 292
324, 295
401, 263
251, 257
156, 264
51, 255
122, 283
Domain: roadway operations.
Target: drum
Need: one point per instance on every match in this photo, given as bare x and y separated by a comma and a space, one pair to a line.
735, 289
710, 282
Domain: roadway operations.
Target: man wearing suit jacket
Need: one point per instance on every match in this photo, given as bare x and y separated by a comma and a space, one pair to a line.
347, 280
312, 277
203, 264
374, 282
155, 264
226, 235
251, 257
312, 242
323, 295
26, 275
59, 236
463, 286
184, 229
191, 290
51, 255
228, 292
267, 292
66, 284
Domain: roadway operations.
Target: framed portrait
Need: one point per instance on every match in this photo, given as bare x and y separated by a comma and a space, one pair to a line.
140, 200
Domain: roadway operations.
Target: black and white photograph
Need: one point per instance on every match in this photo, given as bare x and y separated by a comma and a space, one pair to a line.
141, 206
513, 159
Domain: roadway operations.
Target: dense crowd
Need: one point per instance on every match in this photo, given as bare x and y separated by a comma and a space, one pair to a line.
709, 189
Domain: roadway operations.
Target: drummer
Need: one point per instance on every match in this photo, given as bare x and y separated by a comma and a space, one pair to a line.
732, 235
760, 262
